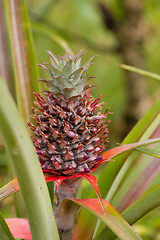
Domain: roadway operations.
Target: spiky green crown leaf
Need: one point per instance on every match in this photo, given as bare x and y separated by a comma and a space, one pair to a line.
67, 76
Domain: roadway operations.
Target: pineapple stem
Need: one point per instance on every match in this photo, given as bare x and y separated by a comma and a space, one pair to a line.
64, 218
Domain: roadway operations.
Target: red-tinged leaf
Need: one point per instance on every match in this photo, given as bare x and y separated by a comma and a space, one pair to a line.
147, 203
108, 215
19, 228
93, 181
111, 153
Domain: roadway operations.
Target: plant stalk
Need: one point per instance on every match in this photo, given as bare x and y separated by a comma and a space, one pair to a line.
65, 218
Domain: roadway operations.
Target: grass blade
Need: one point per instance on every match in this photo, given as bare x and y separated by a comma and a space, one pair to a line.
27, 168
141, 72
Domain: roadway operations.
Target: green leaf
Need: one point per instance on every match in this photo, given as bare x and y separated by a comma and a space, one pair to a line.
5, 66
5, 233
141, 71
67, 69
108, 215
149, 151
76, 77
27, 168
24, 61
9, 189
148, 202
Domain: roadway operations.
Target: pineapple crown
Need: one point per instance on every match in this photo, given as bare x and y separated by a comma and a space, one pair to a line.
68, 78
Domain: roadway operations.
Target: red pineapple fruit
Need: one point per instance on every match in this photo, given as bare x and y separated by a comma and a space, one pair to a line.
71, 129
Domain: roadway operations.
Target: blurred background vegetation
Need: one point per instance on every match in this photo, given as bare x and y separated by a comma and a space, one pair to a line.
118, 31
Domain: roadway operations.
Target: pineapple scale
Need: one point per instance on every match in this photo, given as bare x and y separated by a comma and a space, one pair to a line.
70, 133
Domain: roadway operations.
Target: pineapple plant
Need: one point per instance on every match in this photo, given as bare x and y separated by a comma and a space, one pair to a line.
29, 176
69, 137
71, 128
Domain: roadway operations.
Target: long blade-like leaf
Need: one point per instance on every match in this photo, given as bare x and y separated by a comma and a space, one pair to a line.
27, 168
9, 189
5, 68
141, 72
108, 215
148, 202
139, 184
5, 233
149, 151
23, 55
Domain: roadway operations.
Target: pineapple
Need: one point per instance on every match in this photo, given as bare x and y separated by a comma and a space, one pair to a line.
70, 132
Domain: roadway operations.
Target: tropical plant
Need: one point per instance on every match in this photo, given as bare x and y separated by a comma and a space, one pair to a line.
70, 135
